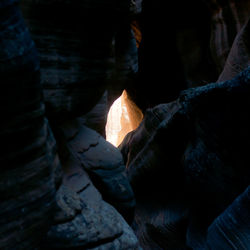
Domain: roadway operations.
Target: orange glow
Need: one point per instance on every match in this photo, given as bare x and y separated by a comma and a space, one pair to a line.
123, 117
137, 32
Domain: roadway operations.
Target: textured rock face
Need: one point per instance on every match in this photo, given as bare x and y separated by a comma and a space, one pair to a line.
155, 52
174, 52
185, 151
83, 219
102, 161
27, 154
86, 60
205, 171
228, 17
239, 56
193, 33
142, 148
96, 118
30, 166
215, 161
231, 229
76, 52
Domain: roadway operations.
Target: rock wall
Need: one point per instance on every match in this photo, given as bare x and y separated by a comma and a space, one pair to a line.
238, 57
76, 53
63, 186
42, 204
191, 151
228, 17
95, 197
29, 164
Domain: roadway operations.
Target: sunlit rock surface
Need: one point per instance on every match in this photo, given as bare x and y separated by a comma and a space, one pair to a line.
123, 117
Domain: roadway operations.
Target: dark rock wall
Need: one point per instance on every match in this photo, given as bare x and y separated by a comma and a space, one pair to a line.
27, 157
238, 57
193, 32
75, 45
215, 160
193, 152
187, 150
159, 62
174, 50
187, 49
228, 17
231, 229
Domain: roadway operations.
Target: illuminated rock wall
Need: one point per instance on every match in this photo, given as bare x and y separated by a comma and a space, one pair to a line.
123, 117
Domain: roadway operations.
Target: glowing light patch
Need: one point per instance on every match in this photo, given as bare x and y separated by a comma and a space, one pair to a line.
123, 117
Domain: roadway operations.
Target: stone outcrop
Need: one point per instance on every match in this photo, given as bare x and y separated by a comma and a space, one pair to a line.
195, 151
86, 60
84, 216
83, 147
239, 56
228, 18
28, 160
156, 48
77, 55
84, 220
74, 69
231, 229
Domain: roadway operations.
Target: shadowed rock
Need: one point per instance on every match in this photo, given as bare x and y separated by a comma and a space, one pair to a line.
89, 222
76, 53
28, 160
228, 18
232, 228
83, 147
83, 219
239, 56
195, 152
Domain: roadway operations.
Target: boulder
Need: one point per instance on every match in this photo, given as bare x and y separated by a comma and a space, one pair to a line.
88, 222
82, 218
85, 148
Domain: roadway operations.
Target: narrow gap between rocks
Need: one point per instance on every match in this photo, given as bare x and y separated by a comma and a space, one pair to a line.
123, 117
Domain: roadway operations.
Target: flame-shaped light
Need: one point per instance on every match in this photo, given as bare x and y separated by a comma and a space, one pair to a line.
123, 117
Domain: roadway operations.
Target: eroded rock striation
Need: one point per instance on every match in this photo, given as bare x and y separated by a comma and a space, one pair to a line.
239, 55
208, 164
231, 229
84, 216
228, 18
76, 53
87, 149
63, 185
28, 153
35, 191
84, 220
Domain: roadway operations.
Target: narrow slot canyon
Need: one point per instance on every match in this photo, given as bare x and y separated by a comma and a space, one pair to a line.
123, 117
125, 124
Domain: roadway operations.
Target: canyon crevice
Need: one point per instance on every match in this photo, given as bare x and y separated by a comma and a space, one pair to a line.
179, 179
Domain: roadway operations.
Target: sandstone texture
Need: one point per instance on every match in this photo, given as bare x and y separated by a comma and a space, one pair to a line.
83, 220
228, 18
28, 156
84, 217
179, 179
198, 163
